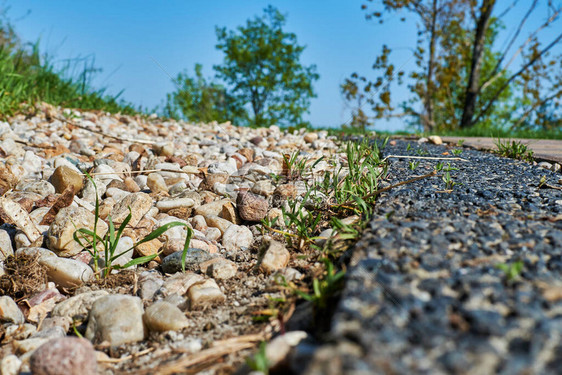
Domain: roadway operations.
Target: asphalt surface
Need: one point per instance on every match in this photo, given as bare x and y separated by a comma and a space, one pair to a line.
461, 279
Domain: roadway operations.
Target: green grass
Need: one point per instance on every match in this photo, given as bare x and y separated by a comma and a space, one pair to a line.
27, 78
90, 241
514, 150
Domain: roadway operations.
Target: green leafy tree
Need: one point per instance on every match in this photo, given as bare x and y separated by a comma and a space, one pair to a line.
198, 99
262, 69
461, 77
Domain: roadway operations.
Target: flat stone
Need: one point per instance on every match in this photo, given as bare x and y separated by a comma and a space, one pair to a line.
180, 283
116, 319
10, 312
64, 176
139, 203
163, 316
172, 263
28, 345
67, 355
60, 234
205, 294
212, 208
263, 187
275, 257
180, 208
237, 237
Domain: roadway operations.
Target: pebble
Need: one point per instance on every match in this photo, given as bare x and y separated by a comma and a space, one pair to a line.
10, 365
205, 294
66, 273
219, 268
63, 177
60, 234
6, 248
163, 316
179, 283
172, 263
435, 139
251, 207
212, 208
68, 355
167, 205
139, 203
156, 183
219, 222
10, 312
116, 319
79, 305
237, 237
275, 257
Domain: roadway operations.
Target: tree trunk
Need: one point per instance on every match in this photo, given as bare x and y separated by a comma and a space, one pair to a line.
473, 86
429, 123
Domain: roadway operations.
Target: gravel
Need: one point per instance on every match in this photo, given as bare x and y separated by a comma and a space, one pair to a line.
426, 292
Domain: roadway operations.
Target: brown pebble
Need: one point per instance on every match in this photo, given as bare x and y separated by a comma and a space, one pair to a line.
65, 355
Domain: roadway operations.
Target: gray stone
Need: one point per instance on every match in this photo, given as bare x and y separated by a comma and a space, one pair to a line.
116, 319
79, 305
172, 263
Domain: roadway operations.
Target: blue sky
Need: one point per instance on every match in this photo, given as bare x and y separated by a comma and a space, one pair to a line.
126, 35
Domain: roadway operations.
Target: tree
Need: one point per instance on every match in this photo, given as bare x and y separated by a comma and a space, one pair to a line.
262, 69
462, 78
200, 100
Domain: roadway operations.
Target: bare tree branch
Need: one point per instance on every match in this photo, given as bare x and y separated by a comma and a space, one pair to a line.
506, 84
498, 74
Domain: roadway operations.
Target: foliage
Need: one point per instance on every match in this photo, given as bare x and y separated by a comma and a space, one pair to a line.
462, 78
259, 361
111, 239
198, 99
262, 69
514, 150
26, 77
324, 288
511, 270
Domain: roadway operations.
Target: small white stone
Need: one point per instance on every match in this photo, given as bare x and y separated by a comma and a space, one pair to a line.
67, 273
205, 294
10, 365
10, 312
